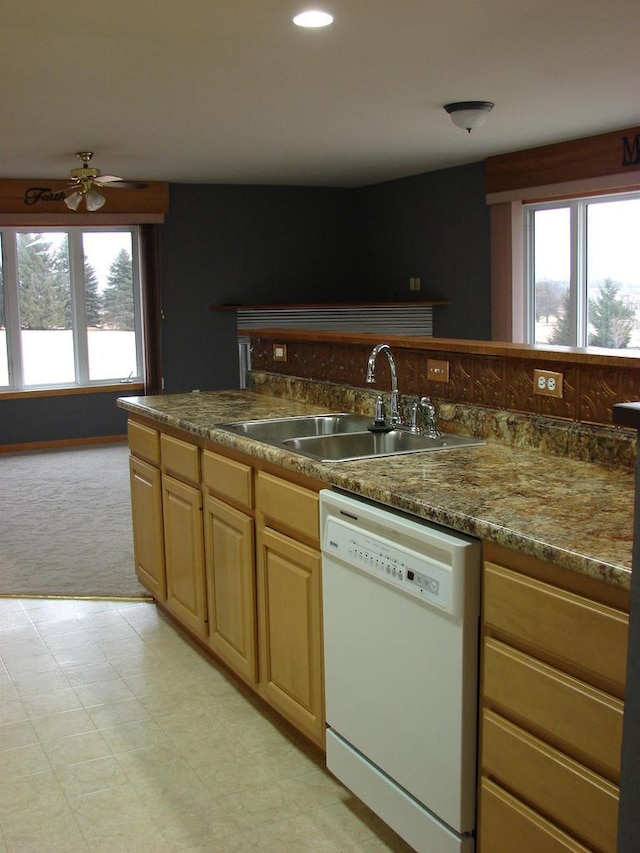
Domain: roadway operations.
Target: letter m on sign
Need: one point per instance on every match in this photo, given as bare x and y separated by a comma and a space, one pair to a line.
631, 150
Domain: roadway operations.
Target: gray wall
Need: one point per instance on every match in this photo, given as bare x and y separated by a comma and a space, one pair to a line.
249, 244
435, 226
235, 244
231, 244
61, 418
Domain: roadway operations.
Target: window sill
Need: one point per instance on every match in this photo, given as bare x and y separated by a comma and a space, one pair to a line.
121, 387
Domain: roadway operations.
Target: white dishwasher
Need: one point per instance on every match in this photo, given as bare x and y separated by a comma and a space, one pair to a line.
401, 622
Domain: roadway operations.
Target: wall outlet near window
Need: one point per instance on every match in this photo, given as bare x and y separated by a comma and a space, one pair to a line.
547, 382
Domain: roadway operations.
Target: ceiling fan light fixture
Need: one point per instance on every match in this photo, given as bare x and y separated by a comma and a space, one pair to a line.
313, 19
73, 201
94, 200
469, 115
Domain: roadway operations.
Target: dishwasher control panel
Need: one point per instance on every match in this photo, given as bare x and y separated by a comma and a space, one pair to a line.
390, 561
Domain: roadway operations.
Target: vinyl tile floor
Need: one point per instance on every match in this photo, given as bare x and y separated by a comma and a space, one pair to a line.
118, 734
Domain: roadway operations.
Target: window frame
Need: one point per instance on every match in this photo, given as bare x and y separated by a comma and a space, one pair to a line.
578, 281
8, 238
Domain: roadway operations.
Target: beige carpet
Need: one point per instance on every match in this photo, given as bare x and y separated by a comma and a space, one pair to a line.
65, 523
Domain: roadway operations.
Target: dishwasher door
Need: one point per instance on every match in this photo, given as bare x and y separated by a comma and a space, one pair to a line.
401, 612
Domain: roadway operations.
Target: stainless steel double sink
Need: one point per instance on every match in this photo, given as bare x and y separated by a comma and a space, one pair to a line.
341, 437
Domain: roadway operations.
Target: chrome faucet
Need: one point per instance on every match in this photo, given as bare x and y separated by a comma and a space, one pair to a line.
395, 394
430, 415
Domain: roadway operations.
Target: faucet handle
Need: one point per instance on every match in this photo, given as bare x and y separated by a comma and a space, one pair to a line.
431, 416
379, 423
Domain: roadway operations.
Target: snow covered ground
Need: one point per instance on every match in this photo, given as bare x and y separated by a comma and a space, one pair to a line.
47, 356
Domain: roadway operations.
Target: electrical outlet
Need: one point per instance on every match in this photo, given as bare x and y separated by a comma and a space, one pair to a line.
437, 371
547, 382
279, 352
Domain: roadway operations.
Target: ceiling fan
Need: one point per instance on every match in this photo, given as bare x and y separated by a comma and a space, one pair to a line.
84, 183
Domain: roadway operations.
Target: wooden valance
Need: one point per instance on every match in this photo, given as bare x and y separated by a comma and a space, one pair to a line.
615, 153
41, 201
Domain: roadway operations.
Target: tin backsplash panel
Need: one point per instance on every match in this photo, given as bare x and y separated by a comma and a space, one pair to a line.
500, 382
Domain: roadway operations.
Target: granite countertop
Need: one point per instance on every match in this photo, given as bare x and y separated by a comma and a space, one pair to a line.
575, 514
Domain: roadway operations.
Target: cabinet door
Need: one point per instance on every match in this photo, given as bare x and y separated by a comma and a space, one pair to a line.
184, 553
148, 540
290, 632
229, 554
507, 825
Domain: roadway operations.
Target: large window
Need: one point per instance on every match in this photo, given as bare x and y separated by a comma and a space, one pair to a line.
583, 272
69, 307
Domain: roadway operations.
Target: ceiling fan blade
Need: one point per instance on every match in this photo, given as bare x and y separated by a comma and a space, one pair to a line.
119, 184
107, 179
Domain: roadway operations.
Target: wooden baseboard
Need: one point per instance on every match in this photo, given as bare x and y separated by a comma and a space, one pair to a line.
65, 442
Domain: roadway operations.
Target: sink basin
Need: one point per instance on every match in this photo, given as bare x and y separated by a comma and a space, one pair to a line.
367, 445
340, 437
276, 430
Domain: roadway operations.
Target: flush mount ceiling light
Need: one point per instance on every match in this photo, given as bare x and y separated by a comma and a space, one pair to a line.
469, 114
313, 18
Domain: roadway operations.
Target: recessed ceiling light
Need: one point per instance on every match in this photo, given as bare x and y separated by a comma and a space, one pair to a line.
313, 18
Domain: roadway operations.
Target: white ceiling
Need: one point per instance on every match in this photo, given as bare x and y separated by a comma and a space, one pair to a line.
230, 91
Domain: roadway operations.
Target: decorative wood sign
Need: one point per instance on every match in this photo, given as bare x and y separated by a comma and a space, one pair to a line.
577, 159
631, 150
43, 196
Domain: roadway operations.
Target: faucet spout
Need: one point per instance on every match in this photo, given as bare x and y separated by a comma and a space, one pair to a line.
395, 394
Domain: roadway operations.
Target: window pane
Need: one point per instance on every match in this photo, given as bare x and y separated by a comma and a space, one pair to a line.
44, 292
613, 273
4, 361
552, 270
109, 294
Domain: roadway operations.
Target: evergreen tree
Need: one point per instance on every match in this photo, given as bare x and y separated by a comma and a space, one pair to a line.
561, 332
611, 319
92, 296
60, 283
118, 294
43, 281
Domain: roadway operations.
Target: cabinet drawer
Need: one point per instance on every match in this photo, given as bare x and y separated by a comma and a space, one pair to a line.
562, 789
582, 721
144, 442
507, 825
228, 478
180, 458
559, 624
288, 506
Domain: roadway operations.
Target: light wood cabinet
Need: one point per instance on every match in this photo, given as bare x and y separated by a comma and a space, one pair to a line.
232, 551
552, 691
509, 825
231, 594
289, 603
554, 784
230, 562
184, 553
183, 532
148, 534
289, 616
144, 442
